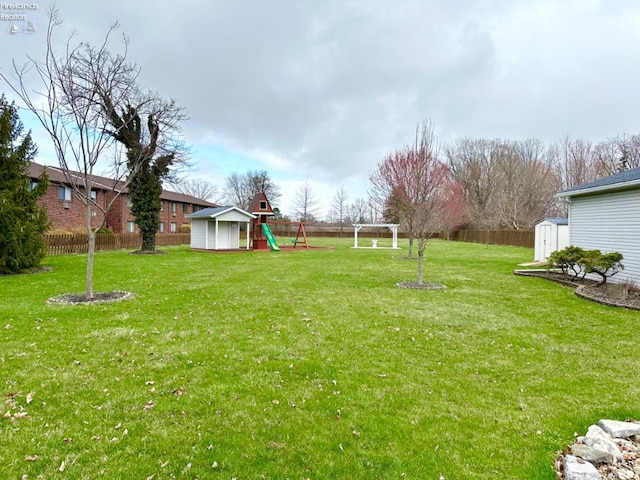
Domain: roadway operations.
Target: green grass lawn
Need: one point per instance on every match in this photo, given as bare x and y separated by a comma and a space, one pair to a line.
308, 364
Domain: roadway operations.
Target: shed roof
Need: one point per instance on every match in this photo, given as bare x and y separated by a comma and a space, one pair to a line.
619, 181
213, 212
555, 220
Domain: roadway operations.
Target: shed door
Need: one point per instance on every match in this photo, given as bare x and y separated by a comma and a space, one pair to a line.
546, 241
223, 235
234, 235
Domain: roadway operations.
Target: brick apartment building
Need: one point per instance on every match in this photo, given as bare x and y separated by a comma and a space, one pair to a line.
67, 212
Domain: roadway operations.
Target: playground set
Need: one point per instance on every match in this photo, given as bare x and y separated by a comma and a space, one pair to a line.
264, 230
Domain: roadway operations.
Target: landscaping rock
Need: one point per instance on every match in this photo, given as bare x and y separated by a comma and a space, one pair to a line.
591, 454
598, 439
578, 469
612, 458
618, 429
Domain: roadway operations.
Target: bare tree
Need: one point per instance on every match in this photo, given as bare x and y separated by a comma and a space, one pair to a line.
526, 184
339, 205
506, 184
69, 107
573, 161
616, 154
240, 189
418, 187
390, 172
471, 162
305, 203
358, 211
198, 188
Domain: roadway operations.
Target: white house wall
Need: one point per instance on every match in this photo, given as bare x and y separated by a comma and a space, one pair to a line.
609, 223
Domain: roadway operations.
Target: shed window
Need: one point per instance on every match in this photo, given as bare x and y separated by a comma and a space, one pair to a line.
263, 205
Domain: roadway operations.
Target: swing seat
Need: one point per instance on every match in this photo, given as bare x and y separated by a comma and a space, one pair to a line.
294, 241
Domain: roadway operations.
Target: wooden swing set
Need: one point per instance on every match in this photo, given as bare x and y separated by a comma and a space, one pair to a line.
301, 235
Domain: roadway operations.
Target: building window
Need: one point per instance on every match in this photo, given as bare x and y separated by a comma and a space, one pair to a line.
185, 208
174, 227
128, 201
64, 193
161, 206
33, 184
94, 196
174, 207
131, 226
161, 227
263, 205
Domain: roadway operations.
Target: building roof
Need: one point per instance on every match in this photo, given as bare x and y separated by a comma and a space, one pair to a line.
213, 212
620, 181
57, 175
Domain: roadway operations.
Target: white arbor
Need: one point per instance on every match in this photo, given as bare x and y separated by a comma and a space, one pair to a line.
391, 226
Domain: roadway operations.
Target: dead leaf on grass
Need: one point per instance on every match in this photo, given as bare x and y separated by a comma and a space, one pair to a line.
149, 405
31, 458
178, 392
30, 397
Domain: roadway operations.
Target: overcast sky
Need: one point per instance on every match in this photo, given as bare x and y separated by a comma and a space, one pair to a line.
320, 90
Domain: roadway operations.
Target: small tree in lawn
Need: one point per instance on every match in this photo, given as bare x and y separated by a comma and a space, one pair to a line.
69, 107
22, 221
419, 188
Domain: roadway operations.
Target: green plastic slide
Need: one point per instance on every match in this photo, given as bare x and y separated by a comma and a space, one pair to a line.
270, 240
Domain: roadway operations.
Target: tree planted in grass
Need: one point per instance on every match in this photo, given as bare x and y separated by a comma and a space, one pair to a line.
147, 126
69, 106
419, 188
22, 221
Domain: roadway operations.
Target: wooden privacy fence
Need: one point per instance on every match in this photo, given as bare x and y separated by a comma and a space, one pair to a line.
78, 243
516, 238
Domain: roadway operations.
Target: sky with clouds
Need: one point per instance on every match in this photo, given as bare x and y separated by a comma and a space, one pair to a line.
321, 90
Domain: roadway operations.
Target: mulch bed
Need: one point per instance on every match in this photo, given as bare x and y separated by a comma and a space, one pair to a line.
98, 297
587, 289
421, 286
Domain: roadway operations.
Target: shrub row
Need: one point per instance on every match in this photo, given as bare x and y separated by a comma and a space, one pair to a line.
577, 262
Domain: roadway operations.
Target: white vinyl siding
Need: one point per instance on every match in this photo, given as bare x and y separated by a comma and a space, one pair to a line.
609, 222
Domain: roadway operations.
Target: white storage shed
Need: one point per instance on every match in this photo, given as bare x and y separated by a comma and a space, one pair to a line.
218, 228
551, 235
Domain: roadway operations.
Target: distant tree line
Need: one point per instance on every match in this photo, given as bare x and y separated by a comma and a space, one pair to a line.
505, 184
511, 184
